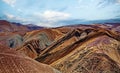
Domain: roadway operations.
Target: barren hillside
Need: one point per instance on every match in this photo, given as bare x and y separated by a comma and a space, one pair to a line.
68, 49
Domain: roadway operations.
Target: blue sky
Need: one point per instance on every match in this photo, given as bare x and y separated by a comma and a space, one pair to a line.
52, 13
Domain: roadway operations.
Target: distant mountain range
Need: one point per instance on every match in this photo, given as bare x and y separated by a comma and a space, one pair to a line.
78, 21
14, 26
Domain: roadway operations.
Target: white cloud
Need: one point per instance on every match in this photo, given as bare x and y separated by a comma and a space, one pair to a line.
49, 18
16, 18
42, 22
118, 1
45, 24
9, 16
10, 2
55, 15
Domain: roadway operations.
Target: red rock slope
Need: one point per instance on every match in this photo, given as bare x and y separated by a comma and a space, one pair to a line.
13, 62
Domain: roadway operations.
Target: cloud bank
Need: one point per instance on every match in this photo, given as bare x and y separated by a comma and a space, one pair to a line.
56, 13
10, 2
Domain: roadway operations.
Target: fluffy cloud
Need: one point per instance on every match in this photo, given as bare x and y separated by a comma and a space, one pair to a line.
50, 18
118, 1
46, 18
10, 2
16, 18
9, 16
55, 15
45, 24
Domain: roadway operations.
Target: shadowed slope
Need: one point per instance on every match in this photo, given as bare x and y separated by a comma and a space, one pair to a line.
36, 41
12, 40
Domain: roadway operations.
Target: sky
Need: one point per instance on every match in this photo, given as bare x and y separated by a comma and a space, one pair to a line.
53, 13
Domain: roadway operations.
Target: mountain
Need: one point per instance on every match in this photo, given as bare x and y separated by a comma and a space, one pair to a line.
6, 26
82, 48
13, 26
90, 50
67, 49
11, 33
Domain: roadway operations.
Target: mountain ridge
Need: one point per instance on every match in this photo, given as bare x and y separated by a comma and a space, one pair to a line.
67, 49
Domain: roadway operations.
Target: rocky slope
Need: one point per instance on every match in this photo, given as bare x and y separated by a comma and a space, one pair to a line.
85, 48
69, 49
96, 51
13, 62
